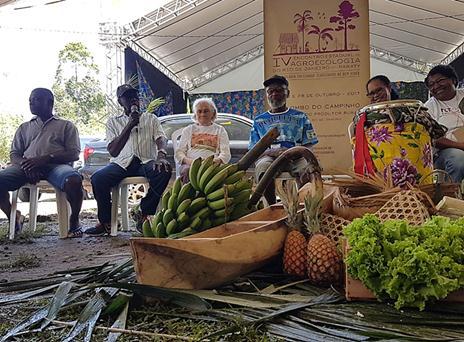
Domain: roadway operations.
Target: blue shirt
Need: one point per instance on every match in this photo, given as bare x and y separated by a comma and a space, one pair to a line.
294, 126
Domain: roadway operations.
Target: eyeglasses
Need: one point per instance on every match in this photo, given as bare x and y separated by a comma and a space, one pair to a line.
440, 81
376, 92
269, 91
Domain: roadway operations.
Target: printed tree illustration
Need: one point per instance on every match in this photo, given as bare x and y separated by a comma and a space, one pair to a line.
345, 14
301, 21
321, 34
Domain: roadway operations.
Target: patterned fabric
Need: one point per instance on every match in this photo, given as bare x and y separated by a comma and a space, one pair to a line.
294, 127
246, 103
404, 115
404, 150
167, 107
411, 90
145, 92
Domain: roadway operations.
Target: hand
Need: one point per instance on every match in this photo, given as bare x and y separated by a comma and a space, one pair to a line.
30, 164
161, 164
134, 119
33, 176
217, 161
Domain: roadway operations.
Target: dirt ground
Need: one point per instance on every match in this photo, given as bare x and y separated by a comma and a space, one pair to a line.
41, 253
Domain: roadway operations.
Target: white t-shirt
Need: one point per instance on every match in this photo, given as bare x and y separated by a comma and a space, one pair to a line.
448, 114
203, 141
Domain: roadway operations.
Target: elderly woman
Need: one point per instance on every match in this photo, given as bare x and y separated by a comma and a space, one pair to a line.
379, 89
202, 139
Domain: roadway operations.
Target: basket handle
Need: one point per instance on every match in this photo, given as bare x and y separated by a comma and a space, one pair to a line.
436, 171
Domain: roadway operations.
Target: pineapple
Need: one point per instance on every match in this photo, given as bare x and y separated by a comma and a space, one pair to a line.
294, 260
324, 262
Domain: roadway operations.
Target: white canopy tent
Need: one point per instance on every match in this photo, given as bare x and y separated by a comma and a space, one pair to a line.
217, 45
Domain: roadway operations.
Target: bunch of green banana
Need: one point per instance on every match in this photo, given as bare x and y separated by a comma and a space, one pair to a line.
216, 194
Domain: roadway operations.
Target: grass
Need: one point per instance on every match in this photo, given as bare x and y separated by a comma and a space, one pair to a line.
22, 261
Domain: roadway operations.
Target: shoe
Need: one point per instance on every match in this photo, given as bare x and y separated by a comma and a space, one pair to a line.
139, 223
75, 233
101, 229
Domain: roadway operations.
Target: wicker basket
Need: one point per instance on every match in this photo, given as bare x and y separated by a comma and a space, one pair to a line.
332, 226
405, 205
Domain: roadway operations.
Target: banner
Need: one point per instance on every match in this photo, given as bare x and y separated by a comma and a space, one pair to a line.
322, 48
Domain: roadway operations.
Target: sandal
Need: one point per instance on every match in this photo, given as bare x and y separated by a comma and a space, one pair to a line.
75, 233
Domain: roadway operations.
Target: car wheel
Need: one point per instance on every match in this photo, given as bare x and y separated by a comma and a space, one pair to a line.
135, 193
24, 194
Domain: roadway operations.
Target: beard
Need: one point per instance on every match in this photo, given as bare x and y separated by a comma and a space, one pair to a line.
274, 104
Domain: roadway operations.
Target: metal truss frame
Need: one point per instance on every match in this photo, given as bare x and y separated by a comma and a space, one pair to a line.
227, 66
453, 55
399, 60
160, 16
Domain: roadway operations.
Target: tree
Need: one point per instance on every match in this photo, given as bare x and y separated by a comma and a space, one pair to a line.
324, 34
78, 96
345, 13
8, 126
301, 20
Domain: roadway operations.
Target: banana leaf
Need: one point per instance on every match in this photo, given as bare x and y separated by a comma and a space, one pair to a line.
120, 323
15, 298
57, 302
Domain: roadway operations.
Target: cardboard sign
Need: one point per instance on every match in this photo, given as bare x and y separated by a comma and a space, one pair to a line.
322, 48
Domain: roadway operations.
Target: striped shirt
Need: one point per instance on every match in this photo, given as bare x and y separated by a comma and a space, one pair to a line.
142, 139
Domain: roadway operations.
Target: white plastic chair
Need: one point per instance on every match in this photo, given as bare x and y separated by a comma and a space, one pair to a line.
62, 207
120, 192
175, 143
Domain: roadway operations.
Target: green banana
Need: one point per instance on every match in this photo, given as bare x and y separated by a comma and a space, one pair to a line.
204, 165
241, 185
186, 232
171, 227
218, 179
223, 212
206, 224
220, 193
172, 203
220, 204
235, 177
207, 175
168, 216
177, 186
239, 211
202, 214
185, 192
193, 171
196, 205
218, 221
242, 197
146, 229
183, 206
161, 230
183, 220
165, 199
196, 224
155, 220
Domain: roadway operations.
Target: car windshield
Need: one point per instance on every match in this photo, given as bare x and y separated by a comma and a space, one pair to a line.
236, 130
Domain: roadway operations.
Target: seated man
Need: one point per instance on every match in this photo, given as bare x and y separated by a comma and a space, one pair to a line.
44, 148
447, 107
137, 145
294, 126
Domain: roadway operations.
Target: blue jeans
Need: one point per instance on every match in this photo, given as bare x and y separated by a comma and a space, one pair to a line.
109, 176
13, 177
452, 161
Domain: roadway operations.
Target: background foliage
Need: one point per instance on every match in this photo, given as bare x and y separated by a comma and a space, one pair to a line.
8, 125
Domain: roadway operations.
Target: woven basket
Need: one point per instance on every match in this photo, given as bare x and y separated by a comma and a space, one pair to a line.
405, 205
350, 208
332, 226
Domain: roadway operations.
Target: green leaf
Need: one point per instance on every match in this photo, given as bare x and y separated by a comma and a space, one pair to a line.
119, 323
57, 302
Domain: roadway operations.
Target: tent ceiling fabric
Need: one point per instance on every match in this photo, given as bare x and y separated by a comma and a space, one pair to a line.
197, 44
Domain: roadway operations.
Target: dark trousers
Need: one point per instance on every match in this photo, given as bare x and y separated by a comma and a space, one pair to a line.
109, 176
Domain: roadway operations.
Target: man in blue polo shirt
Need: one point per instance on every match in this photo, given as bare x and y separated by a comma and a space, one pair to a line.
294, 126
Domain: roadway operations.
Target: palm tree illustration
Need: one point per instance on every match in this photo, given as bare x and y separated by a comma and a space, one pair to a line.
321, 34
301, 21
345, 14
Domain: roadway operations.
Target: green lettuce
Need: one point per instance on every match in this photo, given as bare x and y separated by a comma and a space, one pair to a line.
407, 265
